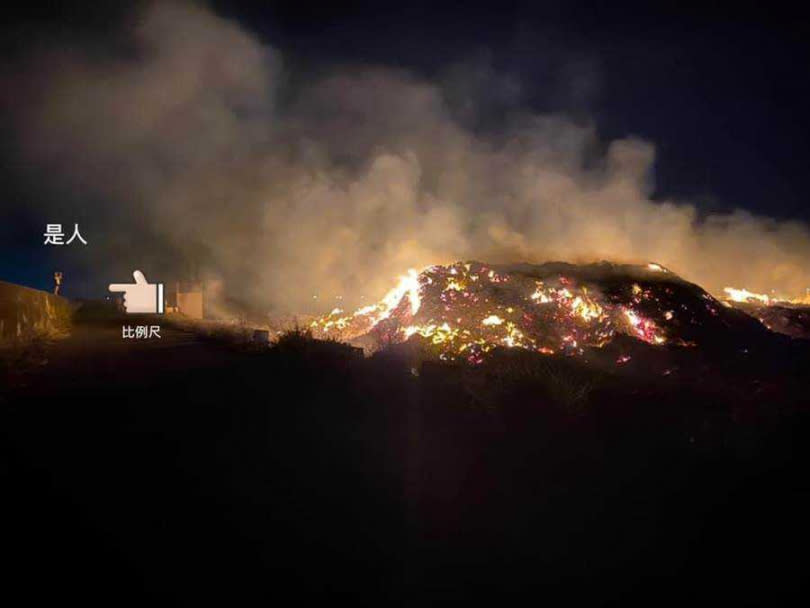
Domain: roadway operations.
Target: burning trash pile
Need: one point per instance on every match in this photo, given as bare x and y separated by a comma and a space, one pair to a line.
791, 320
465, 310
782, 315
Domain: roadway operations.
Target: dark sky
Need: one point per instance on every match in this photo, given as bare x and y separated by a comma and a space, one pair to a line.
722, 91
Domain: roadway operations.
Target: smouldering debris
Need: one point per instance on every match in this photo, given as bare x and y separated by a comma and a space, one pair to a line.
464, 310
789, 316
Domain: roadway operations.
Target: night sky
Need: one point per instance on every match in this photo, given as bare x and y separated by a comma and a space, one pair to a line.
721, 92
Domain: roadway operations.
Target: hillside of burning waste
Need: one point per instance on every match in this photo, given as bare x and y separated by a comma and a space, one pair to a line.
463, 311
781, 317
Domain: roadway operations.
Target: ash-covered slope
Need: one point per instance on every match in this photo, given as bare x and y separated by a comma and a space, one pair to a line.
465, 310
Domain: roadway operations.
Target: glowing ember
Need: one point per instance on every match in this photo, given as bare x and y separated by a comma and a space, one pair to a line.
540, 296
586, 308
464, 310
644, 328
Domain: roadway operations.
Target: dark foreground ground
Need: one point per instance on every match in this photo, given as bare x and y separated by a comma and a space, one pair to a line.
184, 471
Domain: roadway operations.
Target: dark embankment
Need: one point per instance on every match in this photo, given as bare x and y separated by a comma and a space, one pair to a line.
188, 472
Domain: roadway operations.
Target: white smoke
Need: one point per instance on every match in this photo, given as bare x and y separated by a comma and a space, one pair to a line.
290, 185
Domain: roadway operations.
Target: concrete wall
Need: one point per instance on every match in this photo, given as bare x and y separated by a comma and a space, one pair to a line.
26, 313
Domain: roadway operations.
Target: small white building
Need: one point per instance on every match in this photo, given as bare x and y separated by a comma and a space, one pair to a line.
187, 298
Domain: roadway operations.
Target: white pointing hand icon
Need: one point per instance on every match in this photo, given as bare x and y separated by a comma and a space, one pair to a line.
140, 296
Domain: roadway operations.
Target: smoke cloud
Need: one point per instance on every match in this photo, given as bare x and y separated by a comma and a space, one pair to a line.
195, 144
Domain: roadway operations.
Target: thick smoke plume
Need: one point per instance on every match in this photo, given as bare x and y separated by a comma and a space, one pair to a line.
192, 138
